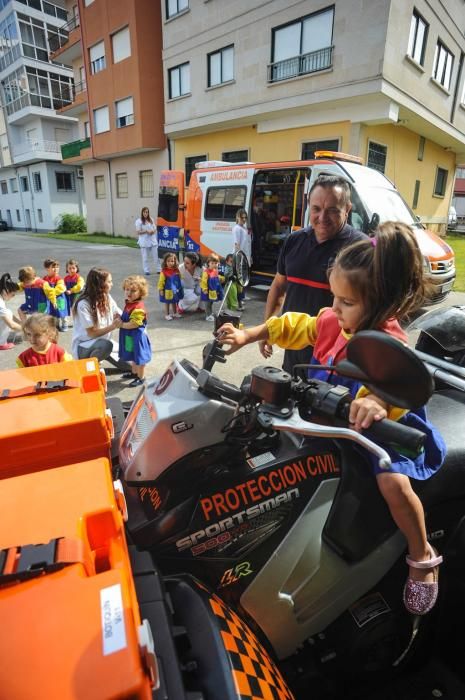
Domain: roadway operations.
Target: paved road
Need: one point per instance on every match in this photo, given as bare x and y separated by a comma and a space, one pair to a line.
183, 337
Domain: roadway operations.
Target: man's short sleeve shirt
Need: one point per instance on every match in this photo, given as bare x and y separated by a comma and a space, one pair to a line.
304, 262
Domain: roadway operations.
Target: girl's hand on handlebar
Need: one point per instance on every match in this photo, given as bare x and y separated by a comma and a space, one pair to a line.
232, 336
364, 411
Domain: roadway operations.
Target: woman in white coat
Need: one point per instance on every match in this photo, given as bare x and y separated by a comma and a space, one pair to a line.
242, 240
147, 240
191, 272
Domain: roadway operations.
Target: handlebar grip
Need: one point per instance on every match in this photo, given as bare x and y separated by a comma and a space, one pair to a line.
408, 441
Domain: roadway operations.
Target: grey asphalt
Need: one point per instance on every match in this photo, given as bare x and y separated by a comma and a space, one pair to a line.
184, 337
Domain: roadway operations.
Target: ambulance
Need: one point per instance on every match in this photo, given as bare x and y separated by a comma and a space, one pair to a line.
201, 217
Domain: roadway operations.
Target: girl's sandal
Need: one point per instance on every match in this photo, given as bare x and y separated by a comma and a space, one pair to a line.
420, 596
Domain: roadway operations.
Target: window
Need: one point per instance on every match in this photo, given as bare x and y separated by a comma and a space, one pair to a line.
13, 184
223, 202
40, 216
440, 182
179, 80
146, 183
18, 215
122, 185
377, 156
442, 65
302, 47
190, 165
99, 181
88, 2
309, 148
33, 37
101, 120
4, 187
124, 112
235, 156
221, 66
37, 182
416, 194
97, 57
65, 181
87, 130
24, 182
121, 45
417, 38
174, 7
421, 148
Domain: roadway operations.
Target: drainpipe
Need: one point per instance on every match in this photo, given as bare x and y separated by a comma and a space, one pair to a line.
169, 154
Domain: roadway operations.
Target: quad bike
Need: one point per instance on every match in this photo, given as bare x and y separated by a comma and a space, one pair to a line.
263, 496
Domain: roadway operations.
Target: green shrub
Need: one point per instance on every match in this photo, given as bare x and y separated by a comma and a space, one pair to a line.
71, 223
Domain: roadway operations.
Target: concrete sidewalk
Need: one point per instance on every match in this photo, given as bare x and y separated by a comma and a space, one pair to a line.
184, 337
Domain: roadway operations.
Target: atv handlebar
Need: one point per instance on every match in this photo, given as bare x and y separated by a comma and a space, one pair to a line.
323, 399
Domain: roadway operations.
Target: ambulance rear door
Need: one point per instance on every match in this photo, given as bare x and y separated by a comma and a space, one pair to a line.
224, 192
170, 220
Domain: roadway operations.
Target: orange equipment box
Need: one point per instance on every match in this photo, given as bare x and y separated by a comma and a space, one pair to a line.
51, 416
71, 626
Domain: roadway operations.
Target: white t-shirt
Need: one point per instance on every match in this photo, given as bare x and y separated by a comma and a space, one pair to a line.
4, 329
189, 280
242, 238
147, 236
83, 320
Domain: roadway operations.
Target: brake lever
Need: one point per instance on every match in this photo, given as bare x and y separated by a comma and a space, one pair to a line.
295, 424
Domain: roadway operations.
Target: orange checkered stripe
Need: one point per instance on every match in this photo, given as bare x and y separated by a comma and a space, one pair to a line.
255, 675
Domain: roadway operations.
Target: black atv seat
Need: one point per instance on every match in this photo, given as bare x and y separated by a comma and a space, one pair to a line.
446, 410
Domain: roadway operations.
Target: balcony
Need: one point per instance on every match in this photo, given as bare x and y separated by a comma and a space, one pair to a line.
32, 151
78, 104
76, 151
301, 65
65, 42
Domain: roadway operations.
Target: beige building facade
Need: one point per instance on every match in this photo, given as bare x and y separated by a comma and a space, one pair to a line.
276, 80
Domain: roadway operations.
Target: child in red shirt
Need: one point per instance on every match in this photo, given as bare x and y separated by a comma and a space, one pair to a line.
41, 332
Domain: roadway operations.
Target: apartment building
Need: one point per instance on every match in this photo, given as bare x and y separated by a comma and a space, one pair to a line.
35, 186
279, 79
118, 143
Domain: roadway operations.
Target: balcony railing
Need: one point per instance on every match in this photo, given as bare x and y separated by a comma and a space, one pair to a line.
33, 146
56, 41
78, 88
300, 65
74, 148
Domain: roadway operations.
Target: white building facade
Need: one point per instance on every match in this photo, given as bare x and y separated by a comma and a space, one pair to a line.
35, 186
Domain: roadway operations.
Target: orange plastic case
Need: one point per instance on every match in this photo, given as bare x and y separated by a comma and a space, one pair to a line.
74, 631
51, 416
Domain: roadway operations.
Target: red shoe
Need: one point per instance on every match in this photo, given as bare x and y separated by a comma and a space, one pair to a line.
7, 346
179, 311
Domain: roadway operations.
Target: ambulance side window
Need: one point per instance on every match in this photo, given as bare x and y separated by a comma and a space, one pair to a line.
222, 203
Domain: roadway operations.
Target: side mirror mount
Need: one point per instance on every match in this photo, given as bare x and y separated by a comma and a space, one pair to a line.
374, 222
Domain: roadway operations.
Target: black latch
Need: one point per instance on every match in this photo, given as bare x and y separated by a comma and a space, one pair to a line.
33, 560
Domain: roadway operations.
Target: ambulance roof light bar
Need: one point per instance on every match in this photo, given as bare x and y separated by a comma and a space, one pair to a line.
338, 155
219, 163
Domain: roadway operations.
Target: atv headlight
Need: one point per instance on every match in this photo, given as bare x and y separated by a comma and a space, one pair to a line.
426, 264
138, 425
